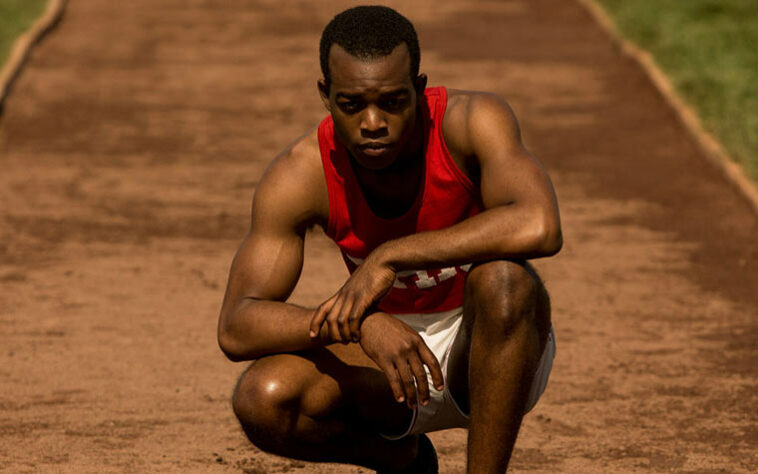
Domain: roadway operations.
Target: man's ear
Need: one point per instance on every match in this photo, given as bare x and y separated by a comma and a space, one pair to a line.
323, 90
420, 84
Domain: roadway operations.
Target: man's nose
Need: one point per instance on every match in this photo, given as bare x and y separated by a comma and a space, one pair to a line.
373, 122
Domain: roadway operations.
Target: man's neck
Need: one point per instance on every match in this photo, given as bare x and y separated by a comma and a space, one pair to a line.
390, 192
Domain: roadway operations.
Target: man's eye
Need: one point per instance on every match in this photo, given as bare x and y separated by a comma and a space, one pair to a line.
394, 103
350, 106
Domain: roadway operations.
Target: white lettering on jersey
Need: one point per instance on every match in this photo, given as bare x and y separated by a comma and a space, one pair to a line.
423, 279
446, 273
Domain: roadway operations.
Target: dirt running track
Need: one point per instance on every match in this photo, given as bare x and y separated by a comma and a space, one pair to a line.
130, 149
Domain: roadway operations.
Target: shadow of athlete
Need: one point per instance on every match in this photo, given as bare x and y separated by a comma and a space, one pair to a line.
436, 206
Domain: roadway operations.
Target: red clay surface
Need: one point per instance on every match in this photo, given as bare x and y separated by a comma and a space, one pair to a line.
130, 149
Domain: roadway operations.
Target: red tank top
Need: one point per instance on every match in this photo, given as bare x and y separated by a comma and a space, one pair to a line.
447, 197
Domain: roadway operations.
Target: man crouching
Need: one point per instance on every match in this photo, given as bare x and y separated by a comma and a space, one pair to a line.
435, 205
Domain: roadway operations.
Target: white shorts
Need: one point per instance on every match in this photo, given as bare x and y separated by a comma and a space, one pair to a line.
438, 330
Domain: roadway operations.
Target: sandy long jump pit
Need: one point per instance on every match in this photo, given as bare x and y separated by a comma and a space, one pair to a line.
130, 149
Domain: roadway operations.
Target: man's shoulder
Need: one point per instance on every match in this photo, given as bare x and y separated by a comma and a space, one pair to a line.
463, 104
468, 111
299, 162
302, 155
295, 177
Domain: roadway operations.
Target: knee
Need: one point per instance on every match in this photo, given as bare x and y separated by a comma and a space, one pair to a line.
506, 293
266, 404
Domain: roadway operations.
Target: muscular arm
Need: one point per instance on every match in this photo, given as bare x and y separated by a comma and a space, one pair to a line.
255, 320
521, 219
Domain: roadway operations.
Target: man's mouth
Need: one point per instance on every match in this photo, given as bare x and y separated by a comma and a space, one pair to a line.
375, 148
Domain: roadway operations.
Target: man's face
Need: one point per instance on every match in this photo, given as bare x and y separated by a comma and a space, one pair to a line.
373, 105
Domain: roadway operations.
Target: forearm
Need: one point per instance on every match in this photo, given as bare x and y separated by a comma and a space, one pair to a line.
256, 328
503, 232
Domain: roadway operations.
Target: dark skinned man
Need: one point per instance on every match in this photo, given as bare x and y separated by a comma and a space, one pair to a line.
436, 206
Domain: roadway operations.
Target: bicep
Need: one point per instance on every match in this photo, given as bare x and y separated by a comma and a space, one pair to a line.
267, 266
270, 258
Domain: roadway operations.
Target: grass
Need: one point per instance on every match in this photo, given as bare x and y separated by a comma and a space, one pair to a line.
16, 16
709, 51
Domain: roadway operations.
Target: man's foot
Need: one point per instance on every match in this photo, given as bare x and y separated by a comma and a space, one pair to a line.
425, 461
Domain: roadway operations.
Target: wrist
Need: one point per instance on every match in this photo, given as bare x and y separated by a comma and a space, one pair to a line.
384, 256
370, 319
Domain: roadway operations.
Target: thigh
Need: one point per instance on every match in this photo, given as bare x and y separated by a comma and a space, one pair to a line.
335, 381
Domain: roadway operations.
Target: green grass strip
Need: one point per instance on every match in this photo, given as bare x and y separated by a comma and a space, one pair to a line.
709, 51
16, 16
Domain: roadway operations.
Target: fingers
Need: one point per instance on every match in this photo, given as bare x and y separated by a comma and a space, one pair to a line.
343, 315
404, 357
354, 321
394, 379
343, 321
428, 357
335, 313
422, 383
320, 315
332, 320
408, 381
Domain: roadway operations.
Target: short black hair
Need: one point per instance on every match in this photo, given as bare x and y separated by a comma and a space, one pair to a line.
369, 32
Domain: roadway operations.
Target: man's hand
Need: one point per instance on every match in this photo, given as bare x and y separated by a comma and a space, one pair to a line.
401, 354
344, 311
